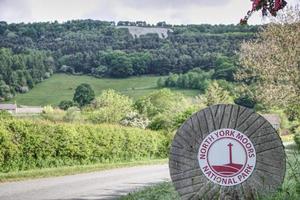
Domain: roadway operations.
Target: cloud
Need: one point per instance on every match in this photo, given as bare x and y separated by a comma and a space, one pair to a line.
172, 4
175, 11
10, 10
152, 11
63, 10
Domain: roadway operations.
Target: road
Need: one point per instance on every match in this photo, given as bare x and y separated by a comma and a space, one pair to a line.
109, 184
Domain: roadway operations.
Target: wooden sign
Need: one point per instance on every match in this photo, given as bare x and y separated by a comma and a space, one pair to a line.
226, 152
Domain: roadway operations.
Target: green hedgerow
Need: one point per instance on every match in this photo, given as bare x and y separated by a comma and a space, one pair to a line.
26, 144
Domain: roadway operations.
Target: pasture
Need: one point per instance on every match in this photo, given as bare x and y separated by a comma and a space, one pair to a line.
62, 86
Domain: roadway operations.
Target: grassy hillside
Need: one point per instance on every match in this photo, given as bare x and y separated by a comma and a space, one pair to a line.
61, 87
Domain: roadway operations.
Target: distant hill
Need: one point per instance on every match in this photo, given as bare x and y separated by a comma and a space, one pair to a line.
31, 53
137, 31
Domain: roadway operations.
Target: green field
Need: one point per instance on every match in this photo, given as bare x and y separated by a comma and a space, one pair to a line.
61, 87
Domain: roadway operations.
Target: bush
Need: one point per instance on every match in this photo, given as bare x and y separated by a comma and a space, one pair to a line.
110, 107
163, 101
52, 114
193, 79
66, 104
160, 106
133, 119
216, 95
181, 117
6, 92
27, 145
246, 101
161, 122
5, 115
73, 114
23, 89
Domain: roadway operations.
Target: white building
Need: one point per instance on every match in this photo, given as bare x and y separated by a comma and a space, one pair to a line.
11, 108
22, 110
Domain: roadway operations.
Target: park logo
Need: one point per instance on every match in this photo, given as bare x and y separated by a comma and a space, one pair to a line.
227, 157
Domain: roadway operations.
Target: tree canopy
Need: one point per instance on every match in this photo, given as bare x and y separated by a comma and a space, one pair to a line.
270, 64
32, 52
84, 94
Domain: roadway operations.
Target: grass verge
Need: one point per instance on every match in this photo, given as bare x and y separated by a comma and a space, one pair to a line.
162, 191
70, 170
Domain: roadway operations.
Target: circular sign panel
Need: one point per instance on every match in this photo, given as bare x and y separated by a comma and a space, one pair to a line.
227, 157
226, 152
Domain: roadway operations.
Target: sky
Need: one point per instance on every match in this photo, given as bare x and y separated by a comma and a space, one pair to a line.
152, 11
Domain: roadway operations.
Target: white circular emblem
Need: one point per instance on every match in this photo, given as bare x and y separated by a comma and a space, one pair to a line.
227, 157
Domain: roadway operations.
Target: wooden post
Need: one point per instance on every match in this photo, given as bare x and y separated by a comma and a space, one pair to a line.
230, 152
226, 152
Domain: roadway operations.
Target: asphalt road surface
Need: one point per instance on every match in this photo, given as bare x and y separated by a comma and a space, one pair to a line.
109, 184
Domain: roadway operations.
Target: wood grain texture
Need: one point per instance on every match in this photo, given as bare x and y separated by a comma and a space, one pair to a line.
186, 174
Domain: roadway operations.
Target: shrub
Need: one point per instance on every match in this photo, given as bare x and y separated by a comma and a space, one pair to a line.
40, 144
66, 104
160, 107
23, 89
110, 107
6, 92
216, 95
245, 100
161, 122
52, 114
163, 101
133, 119
5, 115
181, 117
73, 114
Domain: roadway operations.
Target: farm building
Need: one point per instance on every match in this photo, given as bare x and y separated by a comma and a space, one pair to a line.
11, 108
29, 110
273, 119
22, 110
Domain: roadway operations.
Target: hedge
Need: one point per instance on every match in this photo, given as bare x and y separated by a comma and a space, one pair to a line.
26, 144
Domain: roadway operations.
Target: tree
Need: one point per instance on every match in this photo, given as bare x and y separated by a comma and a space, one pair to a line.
160, 82
171, 80
84, 94
6, 92
245, 100
163, 101
216, 95
140, 62
193, 79
271, 63
120, 65
181, 117
97, 48
110, 107
161, 107
225, 68
266, 6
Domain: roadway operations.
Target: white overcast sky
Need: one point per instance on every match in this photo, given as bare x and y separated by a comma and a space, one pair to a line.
152, 11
